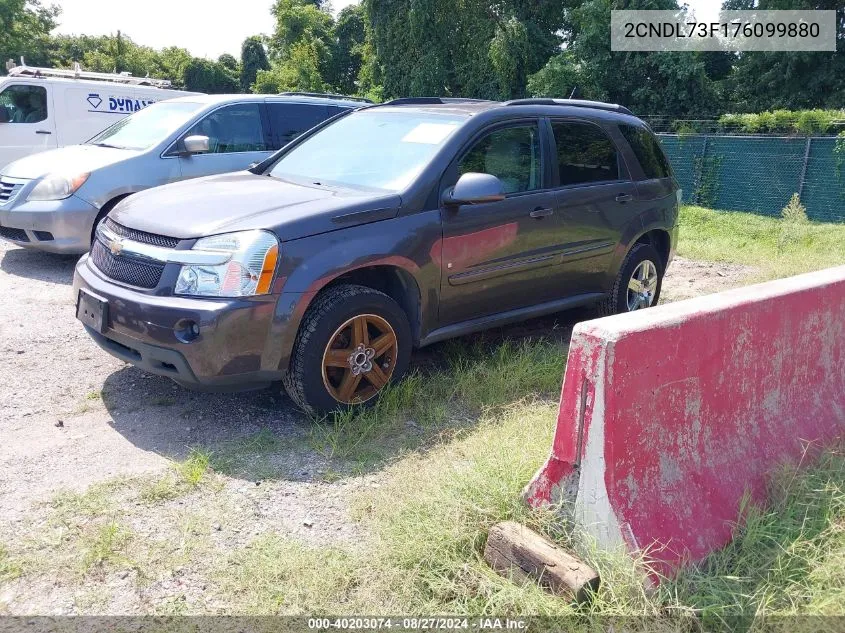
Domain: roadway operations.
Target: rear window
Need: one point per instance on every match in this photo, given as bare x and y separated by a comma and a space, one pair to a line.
648, 151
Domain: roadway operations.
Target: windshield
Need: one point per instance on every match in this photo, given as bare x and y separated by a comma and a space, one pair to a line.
372, 149
147, 127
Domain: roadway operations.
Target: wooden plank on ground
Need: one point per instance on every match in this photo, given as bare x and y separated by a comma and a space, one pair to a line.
517, 552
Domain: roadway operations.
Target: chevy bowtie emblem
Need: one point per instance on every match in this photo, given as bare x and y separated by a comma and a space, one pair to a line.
116, 247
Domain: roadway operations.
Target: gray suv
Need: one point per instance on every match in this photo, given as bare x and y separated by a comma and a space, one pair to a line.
51, 201
391, 227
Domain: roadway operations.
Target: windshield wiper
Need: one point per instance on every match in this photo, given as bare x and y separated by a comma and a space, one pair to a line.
107, 145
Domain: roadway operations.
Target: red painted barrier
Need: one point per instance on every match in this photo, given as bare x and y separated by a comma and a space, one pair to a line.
668, 416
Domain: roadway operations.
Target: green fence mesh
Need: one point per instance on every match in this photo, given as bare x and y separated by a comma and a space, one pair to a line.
760, 173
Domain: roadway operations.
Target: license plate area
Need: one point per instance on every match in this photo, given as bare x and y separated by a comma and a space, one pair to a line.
92, 310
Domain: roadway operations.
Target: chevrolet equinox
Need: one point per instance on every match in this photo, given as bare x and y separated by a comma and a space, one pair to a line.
382, 229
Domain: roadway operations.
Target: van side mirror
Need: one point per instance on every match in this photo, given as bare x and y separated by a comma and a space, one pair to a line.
195, 144
475, 188
4, 114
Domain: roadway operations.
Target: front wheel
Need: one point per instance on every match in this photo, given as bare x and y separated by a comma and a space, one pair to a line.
352, 343
638, 284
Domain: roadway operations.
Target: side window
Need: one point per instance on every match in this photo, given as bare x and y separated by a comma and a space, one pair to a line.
289, 120
585, 153
23, 104
511, 154
647, 150
235, 128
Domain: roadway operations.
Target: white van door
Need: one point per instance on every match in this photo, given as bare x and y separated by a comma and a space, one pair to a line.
27, 120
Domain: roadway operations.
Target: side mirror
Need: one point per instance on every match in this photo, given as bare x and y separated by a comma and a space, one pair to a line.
195, 144
4, 114
475, 188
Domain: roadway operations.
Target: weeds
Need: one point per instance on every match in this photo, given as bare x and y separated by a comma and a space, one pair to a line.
750, 239
444, 400
105, 546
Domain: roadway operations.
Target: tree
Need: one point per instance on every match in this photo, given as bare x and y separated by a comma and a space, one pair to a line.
253, 59
202, 75
471, 48
298, 72
790, 80
25, 27
350, 34
673, 83
229, 62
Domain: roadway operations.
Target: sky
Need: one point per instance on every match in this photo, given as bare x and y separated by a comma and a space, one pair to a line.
199, 25
207, 28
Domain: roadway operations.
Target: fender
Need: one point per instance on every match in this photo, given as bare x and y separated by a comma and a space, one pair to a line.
410, 243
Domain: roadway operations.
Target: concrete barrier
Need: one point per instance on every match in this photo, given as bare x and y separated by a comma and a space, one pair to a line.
669, 416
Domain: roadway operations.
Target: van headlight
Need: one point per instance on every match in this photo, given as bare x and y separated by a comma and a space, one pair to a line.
57, 187
249, 271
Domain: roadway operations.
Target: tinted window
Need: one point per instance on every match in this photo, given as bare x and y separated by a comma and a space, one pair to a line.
234, 128
647, 150
584, 153
289, 120
23, 104
511, 154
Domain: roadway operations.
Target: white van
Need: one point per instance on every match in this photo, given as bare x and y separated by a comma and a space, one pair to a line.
45, 108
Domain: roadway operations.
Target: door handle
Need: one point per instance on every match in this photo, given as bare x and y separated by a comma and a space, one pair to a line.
541, 212
43, 132
624, 197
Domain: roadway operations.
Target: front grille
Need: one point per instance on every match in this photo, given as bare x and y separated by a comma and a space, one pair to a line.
126, 270
141, 236
18, 235
9, 190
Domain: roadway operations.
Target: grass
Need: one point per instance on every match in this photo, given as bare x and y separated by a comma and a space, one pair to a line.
759, 241
471, 379
182, 478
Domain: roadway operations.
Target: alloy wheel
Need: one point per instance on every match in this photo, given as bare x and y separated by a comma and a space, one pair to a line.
359, 359
642, 288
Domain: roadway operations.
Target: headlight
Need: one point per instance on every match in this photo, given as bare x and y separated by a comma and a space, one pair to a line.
57, 187
248, 272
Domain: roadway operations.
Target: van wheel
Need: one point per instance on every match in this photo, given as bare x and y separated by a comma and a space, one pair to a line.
638, 284
352, 342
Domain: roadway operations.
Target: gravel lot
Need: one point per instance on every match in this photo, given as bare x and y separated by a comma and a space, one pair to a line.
71, 416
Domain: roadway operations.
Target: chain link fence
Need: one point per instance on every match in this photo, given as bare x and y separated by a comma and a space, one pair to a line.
760, 173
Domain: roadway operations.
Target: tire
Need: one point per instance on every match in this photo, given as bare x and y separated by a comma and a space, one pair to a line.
328, 355
617, 302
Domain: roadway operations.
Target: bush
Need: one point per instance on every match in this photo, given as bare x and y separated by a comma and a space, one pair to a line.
805, 122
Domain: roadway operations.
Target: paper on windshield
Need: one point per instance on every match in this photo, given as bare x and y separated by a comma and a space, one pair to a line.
429, 133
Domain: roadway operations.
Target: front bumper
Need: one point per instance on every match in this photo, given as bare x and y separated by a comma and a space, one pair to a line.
237, 346
56, 226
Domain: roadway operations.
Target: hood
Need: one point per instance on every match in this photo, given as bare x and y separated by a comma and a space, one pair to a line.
70, 160
241, 201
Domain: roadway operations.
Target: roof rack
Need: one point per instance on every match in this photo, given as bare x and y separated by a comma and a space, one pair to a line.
77, 73
580, 103
433, 101
323, 95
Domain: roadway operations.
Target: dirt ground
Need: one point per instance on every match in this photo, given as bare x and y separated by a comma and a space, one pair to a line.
72, 417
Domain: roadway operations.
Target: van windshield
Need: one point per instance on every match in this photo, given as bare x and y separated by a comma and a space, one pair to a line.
147, 127
369, 149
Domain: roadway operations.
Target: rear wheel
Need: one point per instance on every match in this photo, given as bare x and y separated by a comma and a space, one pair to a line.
352, 343
638, 284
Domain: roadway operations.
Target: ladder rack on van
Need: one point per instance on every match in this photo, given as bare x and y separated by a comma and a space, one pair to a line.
77, 73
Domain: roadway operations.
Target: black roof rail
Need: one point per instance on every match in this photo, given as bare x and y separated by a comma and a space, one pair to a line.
324, 95
433, 101
580, 103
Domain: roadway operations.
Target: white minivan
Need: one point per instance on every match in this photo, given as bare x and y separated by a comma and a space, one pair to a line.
45, 108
